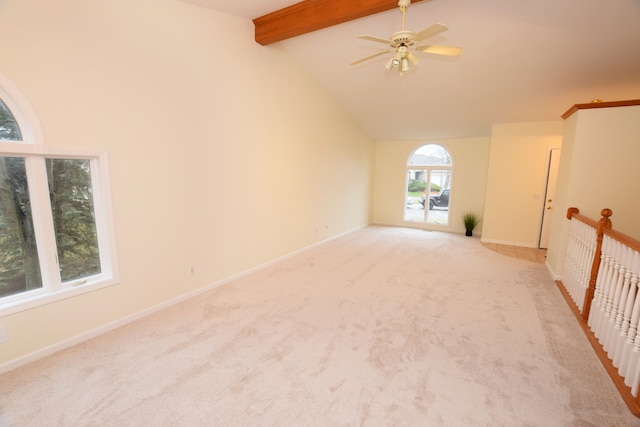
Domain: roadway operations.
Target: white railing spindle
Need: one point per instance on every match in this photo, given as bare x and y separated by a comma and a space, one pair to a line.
623, 312
582, 243
614, 298
597, 308
626, 365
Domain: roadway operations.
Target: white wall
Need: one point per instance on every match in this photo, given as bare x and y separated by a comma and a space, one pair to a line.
598, 169
224, 154
516, 181
470, 160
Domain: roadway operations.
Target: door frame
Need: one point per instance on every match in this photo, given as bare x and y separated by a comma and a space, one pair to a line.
550, 183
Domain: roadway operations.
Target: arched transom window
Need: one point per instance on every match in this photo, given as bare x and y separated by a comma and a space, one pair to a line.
429, 174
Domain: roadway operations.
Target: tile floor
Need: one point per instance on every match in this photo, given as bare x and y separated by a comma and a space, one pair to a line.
530, 254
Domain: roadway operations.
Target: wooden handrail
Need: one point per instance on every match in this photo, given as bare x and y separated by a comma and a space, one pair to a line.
624, 239
575, 213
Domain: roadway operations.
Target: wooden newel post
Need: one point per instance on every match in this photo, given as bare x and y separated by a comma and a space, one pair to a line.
604, 223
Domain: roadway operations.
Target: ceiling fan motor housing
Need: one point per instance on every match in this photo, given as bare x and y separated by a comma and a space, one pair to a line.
404, 37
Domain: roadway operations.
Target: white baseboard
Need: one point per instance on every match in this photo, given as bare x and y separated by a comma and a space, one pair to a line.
425, 226
504, 242
551, 272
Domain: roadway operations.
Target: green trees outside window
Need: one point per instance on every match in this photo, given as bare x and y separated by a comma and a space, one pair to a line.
72, 211
71, 195
19, 263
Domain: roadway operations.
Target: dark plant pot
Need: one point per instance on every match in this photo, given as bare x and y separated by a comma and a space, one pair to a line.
469, 233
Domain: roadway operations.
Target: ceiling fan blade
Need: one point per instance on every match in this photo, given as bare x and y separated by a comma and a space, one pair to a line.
371, 57
440, 50
430, 32
375, 39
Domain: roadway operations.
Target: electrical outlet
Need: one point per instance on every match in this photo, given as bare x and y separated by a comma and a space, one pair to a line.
4, 334
192, 270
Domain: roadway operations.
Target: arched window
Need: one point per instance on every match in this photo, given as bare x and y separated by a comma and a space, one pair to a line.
429, 174
56, 227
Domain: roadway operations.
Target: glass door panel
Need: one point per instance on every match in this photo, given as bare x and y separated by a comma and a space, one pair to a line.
415, 196
439, 195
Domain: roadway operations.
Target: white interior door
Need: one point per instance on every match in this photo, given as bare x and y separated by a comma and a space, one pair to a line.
552, 177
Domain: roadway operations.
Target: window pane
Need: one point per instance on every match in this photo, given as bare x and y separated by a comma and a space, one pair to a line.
19, 263
430, 155
71, 193
416, 186
438, 209
9, 130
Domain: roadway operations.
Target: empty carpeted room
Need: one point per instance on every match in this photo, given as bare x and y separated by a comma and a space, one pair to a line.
204, 225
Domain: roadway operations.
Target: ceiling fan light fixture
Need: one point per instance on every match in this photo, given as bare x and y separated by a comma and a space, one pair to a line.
389, 64
395, 61
405, 65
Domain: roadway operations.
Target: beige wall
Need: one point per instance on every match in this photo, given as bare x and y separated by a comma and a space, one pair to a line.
598, 169
516, 181
224, 154
470, 159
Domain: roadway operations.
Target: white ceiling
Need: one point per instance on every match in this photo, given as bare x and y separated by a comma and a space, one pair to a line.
523, 61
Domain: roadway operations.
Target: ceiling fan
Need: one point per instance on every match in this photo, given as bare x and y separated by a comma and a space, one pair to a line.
403, 41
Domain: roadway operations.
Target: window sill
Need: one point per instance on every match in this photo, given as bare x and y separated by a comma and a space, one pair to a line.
39, 297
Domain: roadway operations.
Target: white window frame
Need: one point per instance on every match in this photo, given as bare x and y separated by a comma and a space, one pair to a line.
428, 169
34, 151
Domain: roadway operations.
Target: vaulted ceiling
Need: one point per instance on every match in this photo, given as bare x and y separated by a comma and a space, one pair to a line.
522, 61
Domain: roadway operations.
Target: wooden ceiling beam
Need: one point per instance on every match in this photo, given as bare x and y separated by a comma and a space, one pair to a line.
312, 15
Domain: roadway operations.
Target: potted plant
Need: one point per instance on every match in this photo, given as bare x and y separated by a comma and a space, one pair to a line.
470, 222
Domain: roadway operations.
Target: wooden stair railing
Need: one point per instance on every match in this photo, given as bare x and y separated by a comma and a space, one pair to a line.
602, 275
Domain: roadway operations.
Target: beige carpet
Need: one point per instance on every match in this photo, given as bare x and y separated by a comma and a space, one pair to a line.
383, 327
